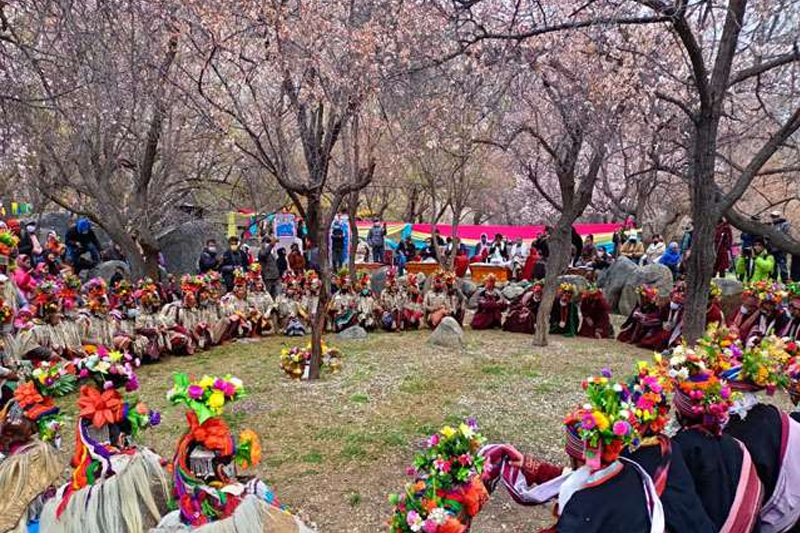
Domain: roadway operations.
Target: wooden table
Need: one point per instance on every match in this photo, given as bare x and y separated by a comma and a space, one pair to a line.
418, 267
479, 272
369, 267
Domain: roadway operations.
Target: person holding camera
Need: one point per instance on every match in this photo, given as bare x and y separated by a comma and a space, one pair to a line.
755, 264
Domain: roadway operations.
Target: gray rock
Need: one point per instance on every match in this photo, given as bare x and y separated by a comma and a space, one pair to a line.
448, 334
513, 291
578, 281
731, 298
182, 246
612, 280
353, 333
472, 301
378, 279
107, 269
655, 275
468, 287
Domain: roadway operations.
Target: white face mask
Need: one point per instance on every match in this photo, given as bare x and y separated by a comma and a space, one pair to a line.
743, 310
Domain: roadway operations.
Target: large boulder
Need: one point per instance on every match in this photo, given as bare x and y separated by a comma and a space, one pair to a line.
378, 279
731, 297
353, 333
182, 246
448, 334
513, 291
655, 275
107, 269
612, 280
467, 287
578, 281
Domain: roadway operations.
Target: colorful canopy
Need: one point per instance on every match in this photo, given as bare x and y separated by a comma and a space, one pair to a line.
470, 235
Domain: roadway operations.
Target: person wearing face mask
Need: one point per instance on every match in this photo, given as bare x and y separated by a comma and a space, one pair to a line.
209, 259
29, 243
232, 259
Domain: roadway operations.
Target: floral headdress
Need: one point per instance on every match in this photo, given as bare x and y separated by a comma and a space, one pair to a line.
147, 293
69, 289
591, 292
538, 286
96, 293
715, 291
769, 292
447, 492
700, 397
365, 282
202, 503
191, 283
648, 293
6, 313
489, 278
412, 280
449, 278
649, 389
678, 291
600, 429
239, 278
35, 398
759, 367
567, 288
8, 243
792, 372
45, 298
109, 369
122, 293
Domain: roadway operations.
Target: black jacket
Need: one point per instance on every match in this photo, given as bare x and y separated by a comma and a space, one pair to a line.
269, 265
81, 240
208, 261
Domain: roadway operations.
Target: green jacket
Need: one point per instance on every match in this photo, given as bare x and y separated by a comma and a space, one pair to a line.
760, 269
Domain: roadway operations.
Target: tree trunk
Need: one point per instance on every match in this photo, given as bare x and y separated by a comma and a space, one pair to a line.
313, 222
454, 236
352, 211
318, 320
560, 246
700, 272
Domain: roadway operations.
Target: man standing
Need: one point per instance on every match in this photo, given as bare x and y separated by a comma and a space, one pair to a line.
375, 240
232, 259
756, 264
81, 239
337, 246
781, 270
723, 240
269, 266
209, 259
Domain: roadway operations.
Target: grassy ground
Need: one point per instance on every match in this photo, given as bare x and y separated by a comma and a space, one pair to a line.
335, 449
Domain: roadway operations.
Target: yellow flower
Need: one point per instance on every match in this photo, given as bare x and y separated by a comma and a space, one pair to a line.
102, 366
115, 356
601, 420
657, 358
216, 400
466, 430
448, 432
207, 382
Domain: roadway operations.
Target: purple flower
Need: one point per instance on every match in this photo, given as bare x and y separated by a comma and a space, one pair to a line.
621, 428
155, 418
606, 373
411, 471
433, 440
472, 423
108, 385
132, 384
49, 381
83, 373
195, 392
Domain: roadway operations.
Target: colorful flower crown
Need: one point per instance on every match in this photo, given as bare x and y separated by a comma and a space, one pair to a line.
760, 367
648, 292
8, 243
6, 313
447, 492
715, 290
208, 396
239, 278
700, 396
109, 369
719, 347
767, 291
591, 291
649, 389
567, 288
147, 292
35, 397
604, 425
45, 298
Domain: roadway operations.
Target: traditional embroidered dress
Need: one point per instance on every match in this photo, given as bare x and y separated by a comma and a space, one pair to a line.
437, 305
114, 486
745, 318
564, 318
521, 316
770, 321
491, 305
366, 309
293, 316
456, 297
29, 438
390, 306
412, 304
98, 328
235, 308
724, 475
343, 309
773, 439
262, 313
645, 323
596, 312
